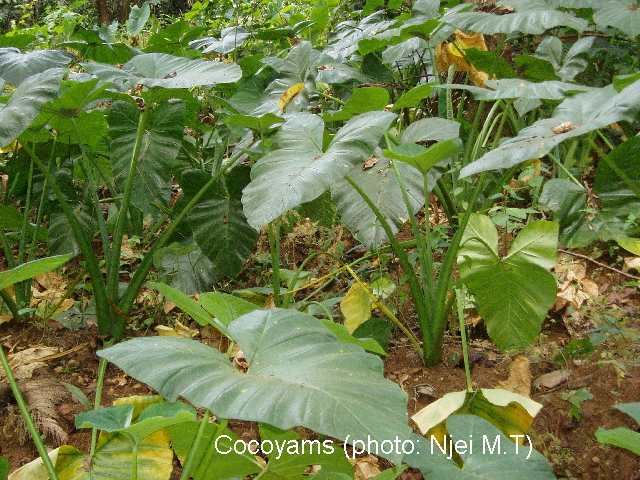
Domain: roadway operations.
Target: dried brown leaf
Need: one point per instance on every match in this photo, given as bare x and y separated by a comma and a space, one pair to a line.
552, 379
519, 380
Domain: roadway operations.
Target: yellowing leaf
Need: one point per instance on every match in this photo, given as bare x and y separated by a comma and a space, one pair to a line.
450, 53
511, 413
9, 148
5, 317
289, 95
356, 307
179, 330
633, 262
630, 244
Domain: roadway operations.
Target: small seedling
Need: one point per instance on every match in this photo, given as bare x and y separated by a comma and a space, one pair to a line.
577, 398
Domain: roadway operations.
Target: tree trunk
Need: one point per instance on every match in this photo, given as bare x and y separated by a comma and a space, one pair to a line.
103, 12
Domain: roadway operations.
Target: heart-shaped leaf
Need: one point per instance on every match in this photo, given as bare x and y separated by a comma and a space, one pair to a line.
381, 186
575, 116
16, 67
26, 101
231, 38
163, 70
300, 171
160, 147
299, 374
513, 294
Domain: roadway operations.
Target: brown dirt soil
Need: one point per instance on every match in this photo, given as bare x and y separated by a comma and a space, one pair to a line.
611, 374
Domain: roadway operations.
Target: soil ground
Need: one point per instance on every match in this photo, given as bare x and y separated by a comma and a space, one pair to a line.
611, 374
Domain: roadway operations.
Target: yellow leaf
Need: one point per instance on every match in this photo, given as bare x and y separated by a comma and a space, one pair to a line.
450, 53
289, 95
356, 307
10, 148
509, 412
179, 330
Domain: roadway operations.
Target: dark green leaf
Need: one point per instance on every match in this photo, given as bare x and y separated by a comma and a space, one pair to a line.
362, 100
185, 267
160, 146
31, 269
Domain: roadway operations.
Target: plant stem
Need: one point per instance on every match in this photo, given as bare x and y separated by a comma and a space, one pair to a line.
103, 310
274, 247
134, 459
11, 305
113, 263
24, 410
463, 336
433, 350
211, 449
329, 97
191, 457
102, 368
414, 285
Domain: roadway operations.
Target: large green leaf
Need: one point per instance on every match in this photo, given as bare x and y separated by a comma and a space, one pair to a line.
163, 70
522, 89
580, 114
31, 269
218, 223
16, 67
138, 18
513, 294
184, 266
362, 100
424, 159
26, 101
623, 15
61, 238
231, 38
224, 307
91, 46
70, 116
618, 201
225, 463
433, 128
300, 171
381, 186
160, 147
573, 63
119, 418
568, 202
184, 303
299, 374
582, 221
528, 22
485, 452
